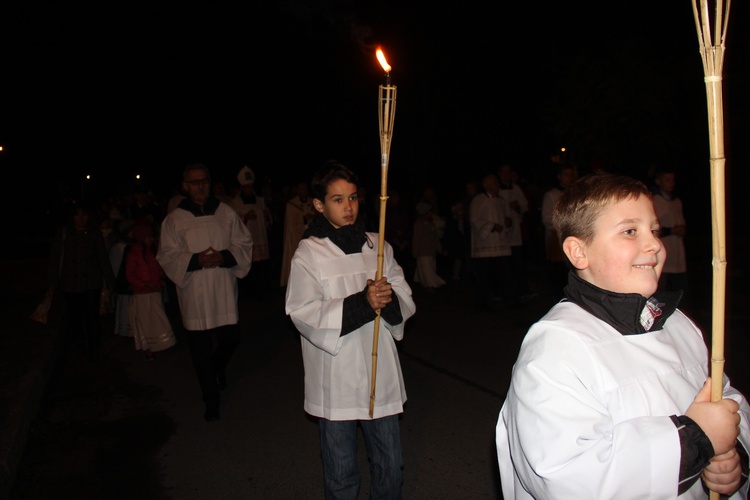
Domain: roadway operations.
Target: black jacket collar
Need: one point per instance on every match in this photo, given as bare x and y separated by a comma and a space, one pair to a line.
208, 208
621, 310
348, 238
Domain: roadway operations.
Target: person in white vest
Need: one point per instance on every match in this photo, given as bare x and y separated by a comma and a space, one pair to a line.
204, 248
298, 212
668, 208
491, 261
518, 207
252, 208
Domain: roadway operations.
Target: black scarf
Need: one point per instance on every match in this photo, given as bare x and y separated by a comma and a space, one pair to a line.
208, 208
348, 238
621, 310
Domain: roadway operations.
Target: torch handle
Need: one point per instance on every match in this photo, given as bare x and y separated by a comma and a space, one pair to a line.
375, 337
379, 273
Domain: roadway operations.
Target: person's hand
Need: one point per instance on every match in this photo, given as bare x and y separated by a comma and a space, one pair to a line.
719, 420
724, 473
379, 293
209, 258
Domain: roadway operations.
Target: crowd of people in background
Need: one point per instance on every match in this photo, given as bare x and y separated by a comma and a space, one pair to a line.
484, 234
429, 226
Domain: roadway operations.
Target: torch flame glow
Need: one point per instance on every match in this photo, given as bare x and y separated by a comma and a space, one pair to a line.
382, 61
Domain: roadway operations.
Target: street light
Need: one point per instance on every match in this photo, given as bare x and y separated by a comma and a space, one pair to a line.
87, 177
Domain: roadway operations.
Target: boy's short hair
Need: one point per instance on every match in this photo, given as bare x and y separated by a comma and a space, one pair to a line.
581, 204
331, 171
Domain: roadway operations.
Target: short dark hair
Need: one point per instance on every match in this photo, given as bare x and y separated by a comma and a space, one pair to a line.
331, 171
664, 169
77, 207
195, 166
582, 202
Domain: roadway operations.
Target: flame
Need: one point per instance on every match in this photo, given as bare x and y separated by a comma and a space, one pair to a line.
382, 61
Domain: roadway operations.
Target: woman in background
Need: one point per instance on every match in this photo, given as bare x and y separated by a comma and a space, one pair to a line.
151, 328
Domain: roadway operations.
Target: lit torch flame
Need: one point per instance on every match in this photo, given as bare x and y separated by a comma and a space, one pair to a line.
382, 61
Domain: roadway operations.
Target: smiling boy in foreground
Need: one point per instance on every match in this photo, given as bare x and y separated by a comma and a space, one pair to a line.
610, 395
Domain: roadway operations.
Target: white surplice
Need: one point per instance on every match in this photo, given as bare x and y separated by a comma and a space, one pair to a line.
208, 297
588, 411
338, 369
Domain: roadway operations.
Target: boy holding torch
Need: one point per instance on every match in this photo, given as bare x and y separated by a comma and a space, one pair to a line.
332, 299
610, 395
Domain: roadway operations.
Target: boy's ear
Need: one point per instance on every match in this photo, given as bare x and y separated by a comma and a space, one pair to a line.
318, 205
575, 250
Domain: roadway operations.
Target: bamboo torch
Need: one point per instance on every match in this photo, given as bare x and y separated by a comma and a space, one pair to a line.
386, 114
713, 59
711, 41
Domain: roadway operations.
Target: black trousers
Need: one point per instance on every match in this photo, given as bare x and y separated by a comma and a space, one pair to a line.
493, 277
211, 351
82, 322
518, 265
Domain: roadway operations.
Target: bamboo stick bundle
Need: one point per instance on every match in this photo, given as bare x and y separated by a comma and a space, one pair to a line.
712, 44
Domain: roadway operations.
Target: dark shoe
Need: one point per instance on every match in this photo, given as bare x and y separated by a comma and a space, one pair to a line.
221, 380
212, 412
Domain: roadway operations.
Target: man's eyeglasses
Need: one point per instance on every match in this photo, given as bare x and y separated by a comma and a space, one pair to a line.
199, 182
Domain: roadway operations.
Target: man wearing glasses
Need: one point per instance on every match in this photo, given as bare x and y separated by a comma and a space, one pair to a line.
204, 248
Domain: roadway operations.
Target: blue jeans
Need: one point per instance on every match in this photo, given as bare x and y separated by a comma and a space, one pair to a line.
338, 446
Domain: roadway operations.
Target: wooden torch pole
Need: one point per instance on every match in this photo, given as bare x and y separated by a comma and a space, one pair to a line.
387, 113
713, 61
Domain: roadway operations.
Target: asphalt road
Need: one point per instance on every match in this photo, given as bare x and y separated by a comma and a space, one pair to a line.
130, 428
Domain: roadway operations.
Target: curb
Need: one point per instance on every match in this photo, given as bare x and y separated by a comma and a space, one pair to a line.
23, 409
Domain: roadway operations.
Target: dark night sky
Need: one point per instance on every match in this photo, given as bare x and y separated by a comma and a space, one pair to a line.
115, 88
